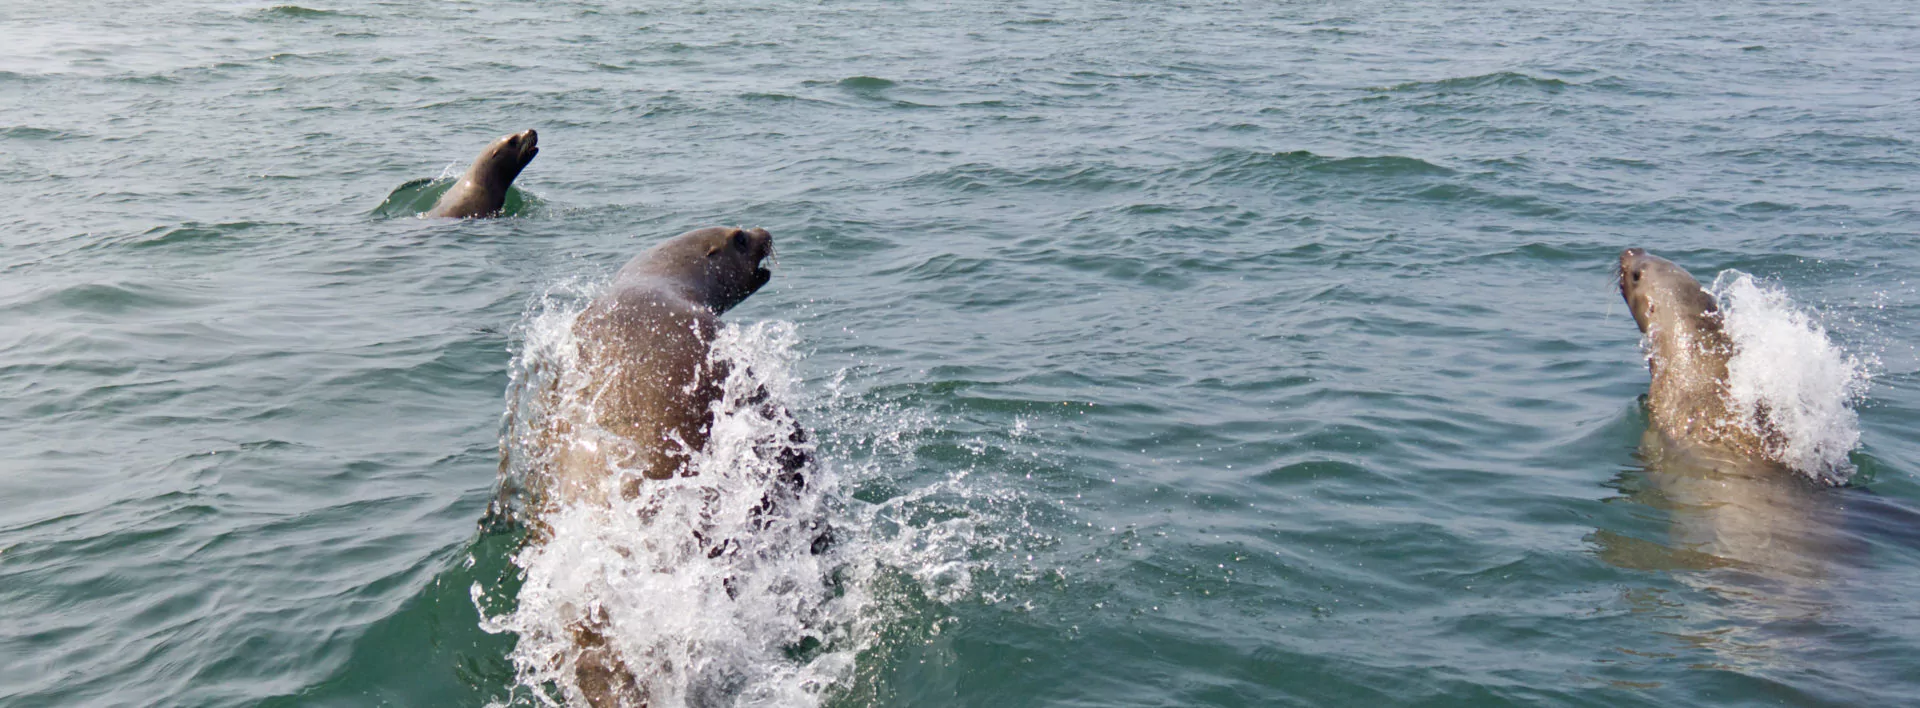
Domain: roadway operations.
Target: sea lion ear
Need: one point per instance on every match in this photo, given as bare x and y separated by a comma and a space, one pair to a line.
715, 248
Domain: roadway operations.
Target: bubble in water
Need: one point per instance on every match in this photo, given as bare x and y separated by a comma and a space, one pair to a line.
1786, 372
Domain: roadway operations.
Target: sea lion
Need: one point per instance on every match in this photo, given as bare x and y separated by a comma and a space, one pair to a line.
483, 189
1687, 351
1742, 525
642, 393
635, 403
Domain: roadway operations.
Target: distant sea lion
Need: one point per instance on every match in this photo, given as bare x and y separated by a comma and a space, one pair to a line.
1687, 353
483, 189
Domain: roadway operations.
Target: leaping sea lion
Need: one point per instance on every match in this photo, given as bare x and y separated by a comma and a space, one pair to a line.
483, 189
644, 351
635, 404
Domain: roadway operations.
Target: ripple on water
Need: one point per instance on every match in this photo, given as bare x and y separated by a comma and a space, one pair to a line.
296, 12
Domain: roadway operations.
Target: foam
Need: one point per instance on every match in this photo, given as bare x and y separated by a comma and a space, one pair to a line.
1786, 371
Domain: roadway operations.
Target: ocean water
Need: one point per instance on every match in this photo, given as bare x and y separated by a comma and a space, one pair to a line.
1199, 353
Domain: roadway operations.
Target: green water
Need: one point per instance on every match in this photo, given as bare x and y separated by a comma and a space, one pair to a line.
1209, 353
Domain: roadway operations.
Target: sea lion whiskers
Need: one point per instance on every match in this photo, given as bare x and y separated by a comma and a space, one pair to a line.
1609, 282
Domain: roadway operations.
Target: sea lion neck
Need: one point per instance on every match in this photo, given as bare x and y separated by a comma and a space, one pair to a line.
502, 163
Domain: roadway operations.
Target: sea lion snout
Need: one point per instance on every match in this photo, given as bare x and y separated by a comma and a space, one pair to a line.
757, 242
526, 143
1635, 264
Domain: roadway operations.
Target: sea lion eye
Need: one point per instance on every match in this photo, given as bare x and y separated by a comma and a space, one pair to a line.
740, 239
1636, 276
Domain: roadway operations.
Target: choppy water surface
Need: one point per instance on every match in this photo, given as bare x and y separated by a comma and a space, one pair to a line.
1202, 354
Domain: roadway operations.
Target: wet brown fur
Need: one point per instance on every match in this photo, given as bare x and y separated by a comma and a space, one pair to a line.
482, 191
643, 399
1687, 353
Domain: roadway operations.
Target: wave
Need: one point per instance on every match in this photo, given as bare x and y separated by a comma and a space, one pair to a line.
298, 12
1500, 79
416, 197
23, 132
1238, 165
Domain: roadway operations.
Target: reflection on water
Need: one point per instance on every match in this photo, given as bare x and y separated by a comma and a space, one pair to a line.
1759, 545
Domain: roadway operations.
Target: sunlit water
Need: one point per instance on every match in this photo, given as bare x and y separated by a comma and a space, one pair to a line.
1156, 354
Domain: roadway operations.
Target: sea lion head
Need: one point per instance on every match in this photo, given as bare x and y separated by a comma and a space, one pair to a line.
1664, 297
722, 265
502, 161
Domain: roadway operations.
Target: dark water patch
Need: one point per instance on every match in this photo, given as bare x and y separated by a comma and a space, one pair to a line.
1764, 207
296, 12
978, 177
109, 298
145, 79
21, 132
1519, 204
1629, 163
764, 97
1300, 166
1542, 252
1161, 274
864, 83
942, 266
1835, 139
190, 236
1469, 84
1311, 473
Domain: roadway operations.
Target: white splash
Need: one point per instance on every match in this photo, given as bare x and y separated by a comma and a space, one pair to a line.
1785, 369
768, 622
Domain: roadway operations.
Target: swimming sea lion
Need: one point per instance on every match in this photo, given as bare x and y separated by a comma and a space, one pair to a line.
1687, 352
1743, 526
483, 189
